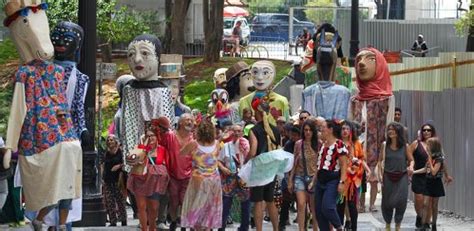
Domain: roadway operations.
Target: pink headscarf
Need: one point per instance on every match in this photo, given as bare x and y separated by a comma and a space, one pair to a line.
381, 85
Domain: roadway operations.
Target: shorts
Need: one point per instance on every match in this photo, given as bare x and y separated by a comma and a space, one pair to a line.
418, 183
299, 184
262, 193
176, 190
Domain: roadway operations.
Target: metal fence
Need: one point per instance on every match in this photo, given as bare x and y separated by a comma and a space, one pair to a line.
452, 113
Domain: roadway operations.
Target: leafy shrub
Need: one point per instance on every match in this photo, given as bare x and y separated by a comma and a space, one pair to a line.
7, 51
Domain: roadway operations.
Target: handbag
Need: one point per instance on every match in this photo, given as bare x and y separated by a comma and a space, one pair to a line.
306, 178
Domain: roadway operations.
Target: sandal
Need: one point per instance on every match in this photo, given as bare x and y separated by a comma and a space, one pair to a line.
361, 210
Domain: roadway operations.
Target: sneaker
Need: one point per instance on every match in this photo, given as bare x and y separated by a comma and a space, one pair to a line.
172, 226
163, 226
37, 225
62, 228
266, 218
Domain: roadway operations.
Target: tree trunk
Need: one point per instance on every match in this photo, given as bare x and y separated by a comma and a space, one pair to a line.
106, 52
213, 29
178, 20
381, 8
167, 38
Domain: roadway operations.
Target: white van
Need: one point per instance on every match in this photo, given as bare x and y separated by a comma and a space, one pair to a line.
229, 24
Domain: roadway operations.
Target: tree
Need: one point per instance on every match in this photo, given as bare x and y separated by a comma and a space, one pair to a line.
176, 18
114, 24
465, 25
319, 16
213, 29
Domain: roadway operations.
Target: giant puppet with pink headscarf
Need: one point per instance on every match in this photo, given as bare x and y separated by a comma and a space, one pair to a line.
374, 105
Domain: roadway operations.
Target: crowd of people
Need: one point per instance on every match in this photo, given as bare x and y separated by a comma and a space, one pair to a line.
192, 177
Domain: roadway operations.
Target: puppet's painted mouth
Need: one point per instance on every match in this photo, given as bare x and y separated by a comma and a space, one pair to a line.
139, 67
60, 49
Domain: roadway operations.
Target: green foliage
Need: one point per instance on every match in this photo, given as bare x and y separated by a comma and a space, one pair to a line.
62, 10
108, 114
198, 94
319, 16
464, 24
267, 6
6, 97
7, 51
114, 24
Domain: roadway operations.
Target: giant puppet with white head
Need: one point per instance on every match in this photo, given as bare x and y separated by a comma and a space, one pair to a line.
263, 73
40, 126
374, 105
146, 97
325, 98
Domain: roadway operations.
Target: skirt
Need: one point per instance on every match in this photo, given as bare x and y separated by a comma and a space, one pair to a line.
202, 206
434, 187
155, 181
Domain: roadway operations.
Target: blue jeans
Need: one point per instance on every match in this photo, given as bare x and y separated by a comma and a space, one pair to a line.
326, 199
244, 212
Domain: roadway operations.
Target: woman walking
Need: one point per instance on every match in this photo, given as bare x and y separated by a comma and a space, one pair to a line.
418, 149
202, 206
331, 175
355, 173
303, 171
150, 186
111, 170
395, 165
434, 183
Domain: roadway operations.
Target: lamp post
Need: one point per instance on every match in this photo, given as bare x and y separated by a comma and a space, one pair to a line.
354, 43
93, 211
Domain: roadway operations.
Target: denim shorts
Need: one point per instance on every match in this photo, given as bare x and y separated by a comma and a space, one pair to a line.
299, 184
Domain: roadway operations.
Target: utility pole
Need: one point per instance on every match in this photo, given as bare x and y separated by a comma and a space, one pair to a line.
93, 211
354, 42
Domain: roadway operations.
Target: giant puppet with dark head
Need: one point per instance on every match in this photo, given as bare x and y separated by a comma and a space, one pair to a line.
325, 98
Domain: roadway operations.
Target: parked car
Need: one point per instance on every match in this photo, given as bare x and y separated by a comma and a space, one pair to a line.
229, 24
277, 25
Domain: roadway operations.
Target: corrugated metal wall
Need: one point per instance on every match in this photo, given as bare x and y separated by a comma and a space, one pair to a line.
401, 34
452, 113
435, 80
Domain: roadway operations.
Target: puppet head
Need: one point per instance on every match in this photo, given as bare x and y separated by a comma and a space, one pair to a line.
263, 73
67, 40
373, 77
239, 82
29, 29
220, 78
144, 57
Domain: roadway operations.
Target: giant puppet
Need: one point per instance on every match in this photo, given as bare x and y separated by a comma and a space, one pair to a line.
67, 41
325, 98
263, 74
374, 105
40, 125
238, 84
145, 97
342, 74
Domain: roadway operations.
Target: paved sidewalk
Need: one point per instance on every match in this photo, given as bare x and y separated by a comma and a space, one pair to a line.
367, 222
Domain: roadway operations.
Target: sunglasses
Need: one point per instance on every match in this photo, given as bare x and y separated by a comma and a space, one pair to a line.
427, 130
303, 118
